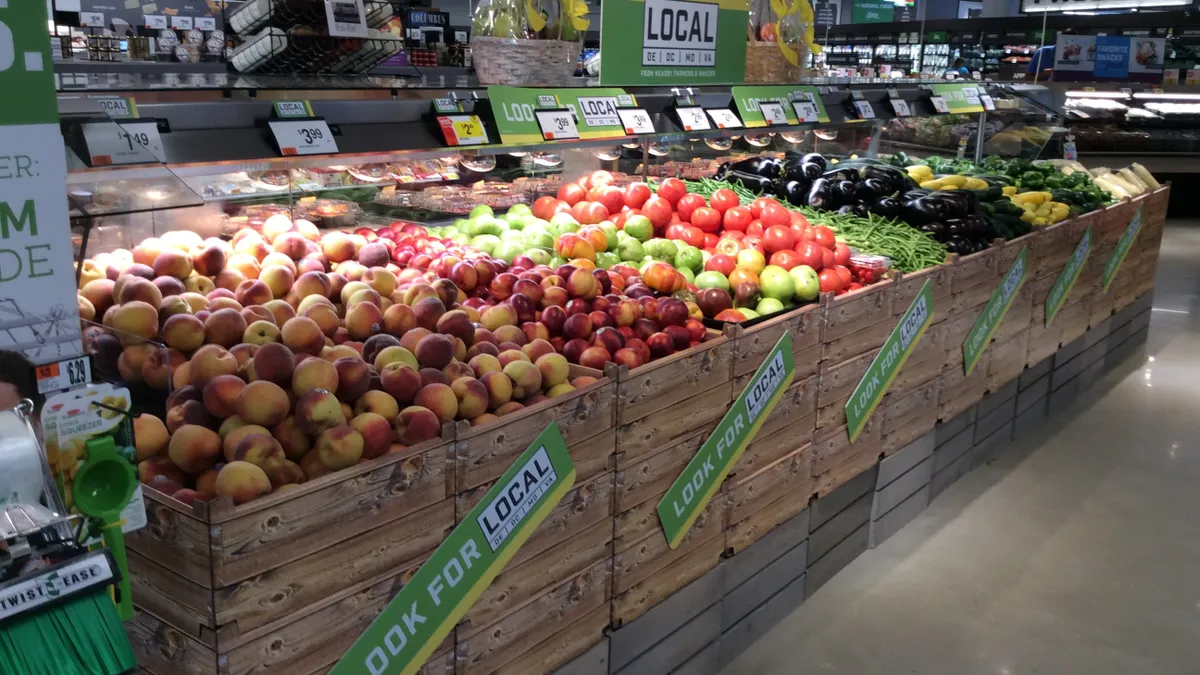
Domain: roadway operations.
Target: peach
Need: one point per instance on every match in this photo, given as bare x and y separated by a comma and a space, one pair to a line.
537, 349
313, 375
312, 466
188, 412
136, 288
274, 362
401, 381
342, 351
303, 335
199, 284
224, 303
195, 301
340, 447
559, 389
472, 397
486, 418
354, 378
165, 485
258, 449
417, 292
526, 378
230, 442
261, 333
440, 399
257, 313
509, 355
458, 324
275, 259
364, 320
172, 263
457, 369
365, 294
325, 316
206, 483
433, 376
499, 386
554, 369
277, 225
485, 348
381, 280
160, 465
135, 321
416, 424
253, 292
194, 448
399, 319
242, 482
411, 338
350, 289
246, 265
378, 402
100, 293
291, 244
583, 381
496, 316
244, 353
169, 286
338, 247
307, 229
317, 411
373, 254
292, 439
277, 279
229, 425
171, 306
507, 408
280, 311
159, 366
221, 395
484, 363
229, 279
150, 436
224, 327
428, 311
283, 472
209, 260
435, 350
376, 432
375, 344
263, 403
210, 361
130, 367
312, 283
511, 334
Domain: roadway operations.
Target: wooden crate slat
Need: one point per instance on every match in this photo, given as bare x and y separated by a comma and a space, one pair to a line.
791, 474
644, 558
163, 650
759, 524
561, 648
751, 345
656, 431
644, 595
766, 450
183, 604
651, 475
668, 382
174, 538
855, 311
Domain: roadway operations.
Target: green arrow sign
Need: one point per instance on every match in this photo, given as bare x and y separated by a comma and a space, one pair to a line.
1122, 250
1066, 279
416, 621
695, 486
595, 111
748, 98
882, 371
985, 326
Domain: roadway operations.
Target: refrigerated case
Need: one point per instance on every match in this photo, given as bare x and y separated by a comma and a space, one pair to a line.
1156, 126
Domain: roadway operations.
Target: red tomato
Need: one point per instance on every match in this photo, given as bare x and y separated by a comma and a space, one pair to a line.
733, 234
798, 218
620, 218
826, 257
589, 213
844, 274
841, 254
774, 214
778, 238
708, 220
720, 262
728, 246
693, 235
672, 190
756, 206
598, 178
803, 232
810, 254
572, 194
785, 258
688, 204
710, 240
636, 194
755, 228
658, 210
544, 207
723, 200
611, 197
830, 281
825, 237
675, 231
675, 218
737, 218
854, 287
753, 241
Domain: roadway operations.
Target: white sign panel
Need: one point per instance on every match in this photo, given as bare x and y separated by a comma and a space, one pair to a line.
303, 137
680, 33
599, 111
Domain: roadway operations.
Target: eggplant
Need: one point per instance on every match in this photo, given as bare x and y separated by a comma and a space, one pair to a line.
820, 194
845, 209
860, 210
766, 167
811, 170
841, 174
815, 158
914, 194
873, 188
794, 191
752, 182
888, 207
888, 175
956, 227
721, 171
959, 245
936, 229
957, 203
923, 210
844, 192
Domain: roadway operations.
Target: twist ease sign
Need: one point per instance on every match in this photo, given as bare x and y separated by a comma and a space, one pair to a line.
416, 621
690, 492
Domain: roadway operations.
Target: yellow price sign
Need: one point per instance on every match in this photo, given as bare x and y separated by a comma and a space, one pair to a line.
463, 130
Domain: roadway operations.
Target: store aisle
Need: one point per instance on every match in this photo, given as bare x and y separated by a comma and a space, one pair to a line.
1075, 552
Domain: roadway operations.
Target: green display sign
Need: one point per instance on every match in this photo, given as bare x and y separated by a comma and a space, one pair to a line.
416, 621
695, 486
1070, 273
1002, 298
960, 97
26, 70
285, 109
1122, 250
872, 11
890, 359
683, 42
748, 98
595, 111
935, 36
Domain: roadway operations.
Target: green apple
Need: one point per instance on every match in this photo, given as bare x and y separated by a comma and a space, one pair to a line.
776, 283
712, 279
507, 250
748, 313
517, 221
480, 210
631, 250
606, 259
520, 209
556, 261
610, 233
460, 238
539, 256
485, 242
513, 235
688, 275
663, 249
768, 306
689, 257
806, 281
639, 227
538, 238
562, 223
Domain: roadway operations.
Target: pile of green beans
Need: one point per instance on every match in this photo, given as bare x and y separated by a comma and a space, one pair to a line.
909, 248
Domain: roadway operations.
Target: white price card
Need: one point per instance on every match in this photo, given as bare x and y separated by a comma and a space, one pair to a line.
865, 111
693, 119
91, 20
636, 121
303, 137
724, 118
128, 143
206, 23
155, 21
971, 94
1127, 91
900, 106
987, 102
557, 125
181, 22
939, 104
773, 113
63, 375
462, 130
806, 111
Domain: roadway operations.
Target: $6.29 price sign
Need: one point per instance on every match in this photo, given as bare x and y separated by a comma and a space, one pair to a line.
303, 137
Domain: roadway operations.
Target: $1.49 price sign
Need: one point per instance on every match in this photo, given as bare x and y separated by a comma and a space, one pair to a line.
557, 125
129, 143
303, 137
64, 375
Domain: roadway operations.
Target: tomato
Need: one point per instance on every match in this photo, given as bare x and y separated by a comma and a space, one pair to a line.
826, 257
693, 235
589, 213
755, 228
658, 210
737, 218
675, 231
708, 220
688, 204
841, 254
672, 190
824, 237
756, 206
754, 242
544, 207
723, 200
662, 277
854, 287
625, 214
720, 263
785, 258
710, 240
778, 238
844, 274
774, 214
598, 178
798, 218
733, 234
810, 254
611, 197
727, 246
830, 281
636, 194
572, 194
803, 233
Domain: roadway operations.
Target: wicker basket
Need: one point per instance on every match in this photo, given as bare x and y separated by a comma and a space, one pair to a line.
765, 64
546, 63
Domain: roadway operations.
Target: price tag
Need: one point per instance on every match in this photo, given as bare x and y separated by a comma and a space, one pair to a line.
856, 95
900, 107
806, 111
557, 125
91, 20
636, 121
773, 113
1127, 91
865, 111
286, 109
181, 22
693, 119
462, 130
987, 102
939, 104
725, 119
129, 143
303, 137
206, 23
155, 21
450, 175
119, 108
971, 94
67, 374
460, 36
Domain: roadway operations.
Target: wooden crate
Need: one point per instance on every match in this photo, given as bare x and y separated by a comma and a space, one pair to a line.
898, 409
644, 588
838, 380
856, 323
1072, 322
977, 269
751, 345
958, 391
564, 645
1007, 360
1042, 341
908, 285
789, 475
760, 523
836, 460
789, 427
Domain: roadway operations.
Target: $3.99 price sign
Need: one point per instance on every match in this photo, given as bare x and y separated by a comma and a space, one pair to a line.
460, 130
303, 137
557, 125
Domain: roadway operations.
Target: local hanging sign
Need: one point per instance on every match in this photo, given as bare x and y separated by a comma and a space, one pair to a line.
1122, 249
596, 112
683, 42
798, 103
1067, 278
993, 313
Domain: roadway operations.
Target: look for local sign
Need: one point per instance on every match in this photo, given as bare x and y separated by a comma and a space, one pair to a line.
686, 42
416, 621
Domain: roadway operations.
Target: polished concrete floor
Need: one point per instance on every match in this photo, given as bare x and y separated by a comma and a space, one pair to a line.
1076, 552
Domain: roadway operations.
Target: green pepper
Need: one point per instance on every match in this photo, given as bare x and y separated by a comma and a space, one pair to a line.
1046, 169
1056, 181
1078, 179
1033, 180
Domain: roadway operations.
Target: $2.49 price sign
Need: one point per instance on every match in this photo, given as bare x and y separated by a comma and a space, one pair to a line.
557, 125
303, 137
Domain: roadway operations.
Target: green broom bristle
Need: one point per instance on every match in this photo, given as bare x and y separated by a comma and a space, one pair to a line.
81, 636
